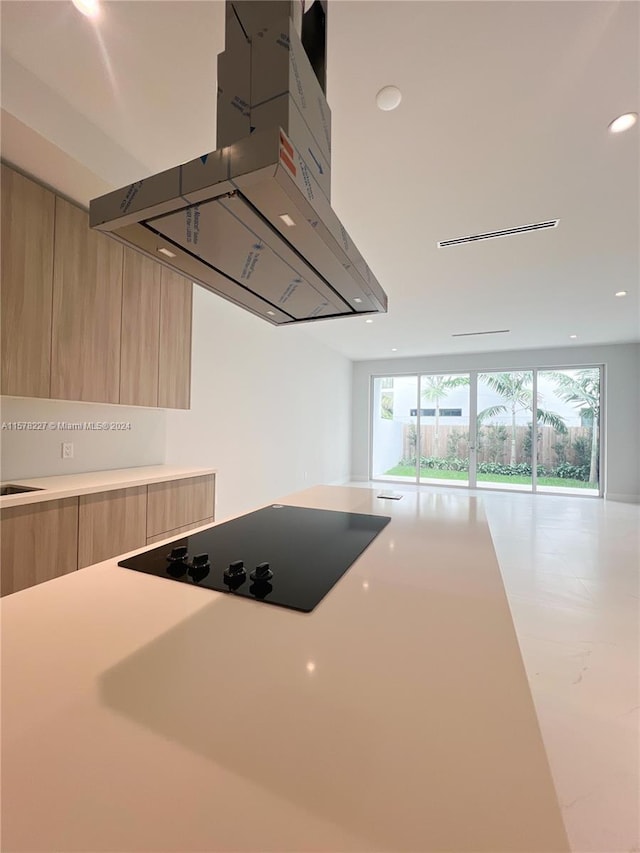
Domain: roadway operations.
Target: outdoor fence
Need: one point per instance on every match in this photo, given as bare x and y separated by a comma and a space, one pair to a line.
494, 444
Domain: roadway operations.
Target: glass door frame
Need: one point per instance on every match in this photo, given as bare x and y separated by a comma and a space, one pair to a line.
473, 429
601, 424
495, 487
473, 392
473, 423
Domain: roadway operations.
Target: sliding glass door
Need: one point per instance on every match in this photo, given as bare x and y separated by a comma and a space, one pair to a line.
444, 429
504, 430
477, 429
569, 449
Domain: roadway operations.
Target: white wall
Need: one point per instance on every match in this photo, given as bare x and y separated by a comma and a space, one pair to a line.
270, 407
37, 452
622, 400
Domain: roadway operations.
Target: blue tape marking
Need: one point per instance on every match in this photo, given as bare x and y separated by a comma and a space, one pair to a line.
309, 174
315, 160
311, 134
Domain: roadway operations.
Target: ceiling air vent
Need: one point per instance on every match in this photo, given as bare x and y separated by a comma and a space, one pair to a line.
471, 334
506, 232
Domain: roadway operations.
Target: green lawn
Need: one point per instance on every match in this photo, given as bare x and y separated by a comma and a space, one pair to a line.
436, 474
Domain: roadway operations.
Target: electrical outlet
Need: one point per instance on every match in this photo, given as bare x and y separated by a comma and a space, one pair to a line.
67, 450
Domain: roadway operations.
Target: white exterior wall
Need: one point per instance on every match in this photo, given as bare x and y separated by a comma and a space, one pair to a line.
458, 398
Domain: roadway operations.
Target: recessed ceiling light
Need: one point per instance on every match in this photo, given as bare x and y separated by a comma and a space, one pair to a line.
394, 349
287, 219
271, 313
166, 252
388, 98
623, 122
368, 321
621, 293
90, 8
311, 667
357, 299
573, 337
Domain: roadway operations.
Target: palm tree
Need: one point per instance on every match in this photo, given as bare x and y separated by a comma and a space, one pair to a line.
436, 388
582, 390
513, 388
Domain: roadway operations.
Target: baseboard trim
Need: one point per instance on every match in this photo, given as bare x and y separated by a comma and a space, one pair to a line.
626, 499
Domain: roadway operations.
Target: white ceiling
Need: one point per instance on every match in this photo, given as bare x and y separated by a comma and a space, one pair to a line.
503, 122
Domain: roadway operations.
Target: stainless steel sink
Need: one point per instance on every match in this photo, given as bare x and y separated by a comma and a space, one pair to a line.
17, 490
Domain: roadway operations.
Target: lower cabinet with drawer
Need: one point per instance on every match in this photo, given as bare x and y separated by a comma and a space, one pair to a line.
179, 504
39, 542
44, 540
173, 534
111, 523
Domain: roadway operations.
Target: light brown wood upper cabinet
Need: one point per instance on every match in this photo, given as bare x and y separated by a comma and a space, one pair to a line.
87, 306
27, 276
174, 376
39, 542
140, 330
111, 523
84, 318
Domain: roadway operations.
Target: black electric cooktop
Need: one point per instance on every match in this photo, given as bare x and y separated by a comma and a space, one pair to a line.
285, 555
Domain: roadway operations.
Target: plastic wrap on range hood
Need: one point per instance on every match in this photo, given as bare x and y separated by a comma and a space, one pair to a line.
252, 187
229, 235
252, 221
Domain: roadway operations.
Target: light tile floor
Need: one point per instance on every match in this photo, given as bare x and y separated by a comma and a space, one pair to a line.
571, 568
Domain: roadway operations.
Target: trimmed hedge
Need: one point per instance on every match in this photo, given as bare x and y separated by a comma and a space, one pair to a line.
572, 472
522, 469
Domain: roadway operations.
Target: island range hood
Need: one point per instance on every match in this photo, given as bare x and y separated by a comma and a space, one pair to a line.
252, 221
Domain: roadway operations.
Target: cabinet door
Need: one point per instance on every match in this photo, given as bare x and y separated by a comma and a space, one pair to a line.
39, 542
174, 376
179, 503
140, 330
87, 306
27, 276
111, 523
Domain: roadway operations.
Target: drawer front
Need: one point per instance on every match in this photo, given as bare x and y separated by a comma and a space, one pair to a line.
179, 503
111, 523
174, 534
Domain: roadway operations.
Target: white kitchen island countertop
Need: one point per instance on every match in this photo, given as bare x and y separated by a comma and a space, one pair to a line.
146, 715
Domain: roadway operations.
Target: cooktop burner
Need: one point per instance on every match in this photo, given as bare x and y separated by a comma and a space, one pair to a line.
284, 555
